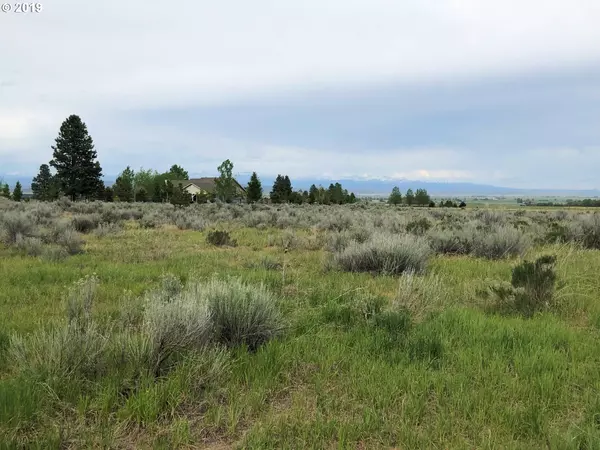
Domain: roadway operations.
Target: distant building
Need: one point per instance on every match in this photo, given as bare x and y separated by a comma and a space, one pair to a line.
205, 187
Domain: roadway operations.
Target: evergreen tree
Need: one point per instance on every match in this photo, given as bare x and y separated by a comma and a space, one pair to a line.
277, 190
254, 191
5, 192
313, 194
287, 189
422, 197
180, 197
74, 158
109, 194
17, 194
395, 197
44, 185
410, 197
352, 198
225, 184
178, 173
124, 185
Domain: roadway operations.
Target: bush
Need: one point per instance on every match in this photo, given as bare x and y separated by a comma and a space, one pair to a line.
85, 223
418, 227
220, 238
500, 242
69, 240
31, 245
241, 314
13, 225
451, 243
59, 354
531, 288
385, 254
170, 328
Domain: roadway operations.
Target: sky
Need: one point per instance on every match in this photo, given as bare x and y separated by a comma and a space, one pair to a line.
493, 92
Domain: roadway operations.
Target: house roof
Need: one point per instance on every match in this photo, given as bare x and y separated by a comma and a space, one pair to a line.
206, 183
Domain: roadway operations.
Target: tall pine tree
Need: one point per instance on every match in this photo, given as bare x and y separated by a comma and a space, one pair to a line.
17, 194
124, 186
254, 192
44, 185
5, 190
77, 171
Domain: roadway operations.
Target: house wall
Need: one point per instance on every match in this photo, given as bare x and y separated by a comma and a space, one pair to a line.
192, 189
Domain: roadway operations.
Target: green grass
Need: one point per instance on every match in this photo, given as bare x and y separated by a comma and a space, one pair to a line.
352, 369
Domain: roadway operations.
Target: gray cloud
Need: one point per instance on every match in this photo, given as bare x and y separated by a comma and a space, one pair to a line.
319, 79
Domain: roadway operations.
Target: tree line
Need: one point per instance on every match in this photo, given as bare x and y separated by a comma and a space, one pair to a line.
78, 175
420, 197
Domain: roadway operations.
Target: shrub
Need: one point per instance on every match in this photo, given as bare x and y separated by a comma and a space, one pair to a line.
59, 354
418, 227
13, 225
220, 238
499, 242
589, 226
170, 328
85, 223
451, 243
531, 288
69, 240
241, 314
31, 245
107, 229
385, 254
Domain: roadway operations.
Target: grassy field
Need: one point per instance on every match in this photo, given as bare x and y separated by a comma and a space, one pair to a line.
313, 327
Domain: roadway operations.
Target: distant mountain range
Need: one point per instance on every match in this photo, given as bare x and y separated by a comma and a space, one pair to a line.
375, 187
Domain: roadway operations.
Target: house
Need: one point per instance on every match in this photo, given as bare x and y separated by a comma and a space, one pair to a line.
205, 187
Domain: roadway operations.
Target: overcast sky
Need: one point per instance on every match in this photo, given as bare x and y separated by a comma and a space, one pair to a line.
500, 92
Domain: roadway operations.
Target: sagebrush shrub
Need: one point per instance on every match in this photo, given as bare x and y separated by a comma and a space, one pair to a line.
500, 242
13, 225
419, 226
220, 238
85, 223
385, 254
60, 353
241, 314
33, 246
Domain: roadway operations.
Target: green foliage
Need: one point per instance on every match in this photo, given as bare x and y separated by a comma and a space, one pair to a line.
17, 194
410, 197
5, 190
45, 186
422, 197
180, 197
531, 288
220, 238
282, 189
395, 197
13, 225
254, 191
74, 158
225, 186
178, 173
124, 187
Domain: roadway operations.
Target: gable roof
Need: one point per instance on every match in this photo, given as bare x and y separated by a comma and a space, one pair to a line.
206, 183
